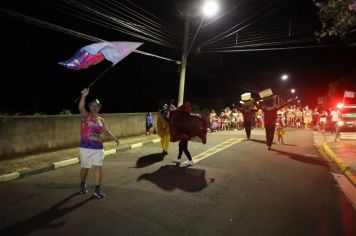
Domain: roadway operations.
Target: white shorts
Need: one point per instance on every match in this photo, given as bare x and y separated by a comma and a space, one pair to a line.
91, 157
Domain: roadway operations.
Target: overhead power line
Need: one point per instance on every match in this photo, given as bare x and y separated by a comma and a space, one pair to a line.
100, 22
137, 31
41, 23
232, 30
269, 49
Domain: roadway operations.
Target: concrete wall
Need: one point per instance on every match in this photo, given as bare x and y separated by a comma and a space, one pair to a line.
28, 134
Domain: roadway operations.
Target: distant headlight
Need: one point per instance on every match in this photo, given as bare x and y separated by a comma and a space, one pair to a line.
340, 123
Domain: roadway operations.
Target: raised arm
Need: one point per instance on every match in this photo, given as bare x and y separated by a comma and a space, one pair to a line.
81, 105
287, 103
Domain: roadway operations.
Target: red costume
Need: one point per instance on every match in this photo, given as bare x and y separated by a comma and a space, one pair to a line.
186, 126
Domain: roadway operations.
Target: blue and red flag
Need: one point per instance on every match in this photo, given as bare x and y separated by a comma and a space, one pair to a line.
94, 53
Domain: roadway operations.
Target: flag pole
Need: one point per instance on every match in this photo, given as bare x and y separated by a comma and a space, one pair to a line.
94, 81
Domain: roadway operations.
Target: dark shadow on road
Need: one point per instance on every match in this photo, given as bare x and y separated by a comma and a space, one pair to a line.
54, 185
264, 142
170, 177
256, 140
44, 219
149, 160
301, 158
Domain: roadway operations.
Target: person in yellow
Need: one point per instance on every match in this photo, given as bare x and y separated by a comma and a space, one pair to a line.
280, 132
163, 128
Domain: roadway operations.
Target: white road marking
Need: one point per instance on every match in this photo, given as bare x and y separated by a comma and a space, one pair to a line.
215, 149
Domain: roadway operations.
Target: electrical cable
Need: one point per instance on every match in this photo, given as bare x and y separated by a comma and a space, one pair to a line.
44, 24
218, 37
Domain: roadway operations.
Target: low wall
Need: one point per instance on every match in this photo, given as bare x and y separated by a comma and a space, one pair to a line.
29, 135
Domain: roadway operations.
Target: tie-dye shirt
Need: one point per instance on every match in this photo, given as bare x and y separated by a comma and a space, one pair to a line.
91, 132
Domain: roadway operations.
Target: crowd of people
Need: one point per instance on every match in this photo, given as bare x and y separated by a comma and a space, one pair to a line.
294, 116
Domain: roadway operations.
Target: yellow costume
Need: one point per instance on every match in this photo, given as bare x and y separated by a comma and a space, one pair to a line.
280, 131
163, 132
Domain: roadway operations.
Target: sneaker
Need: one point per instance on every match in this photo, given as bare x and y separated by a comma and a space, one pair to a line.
99, 194
83, 189
177, 160
190, 163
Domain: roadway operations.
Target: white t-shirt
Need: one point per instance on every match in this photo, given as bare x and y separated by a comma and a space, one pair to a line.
334, 115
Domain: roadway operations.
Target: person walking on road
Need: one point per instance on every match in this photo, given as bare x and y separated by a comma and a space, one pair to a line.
248, 112
163, 128
149, 123
270, 108
280, 132
185, 126
335, 115
91, 143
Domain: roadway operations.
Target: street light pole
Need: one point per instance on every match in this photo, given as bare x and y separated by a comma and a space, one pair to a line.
209, 9
183, 62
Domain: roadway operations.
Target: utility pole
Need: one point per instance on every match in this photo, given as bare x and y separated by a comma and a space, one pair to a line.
183, 62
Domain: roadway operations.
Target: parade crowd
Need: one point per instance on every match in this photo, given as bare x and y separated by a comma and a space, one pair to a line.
294, 116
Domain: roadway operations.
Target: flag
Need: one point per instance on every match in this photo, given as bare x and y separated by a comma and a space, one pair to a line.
95, 53
349, 94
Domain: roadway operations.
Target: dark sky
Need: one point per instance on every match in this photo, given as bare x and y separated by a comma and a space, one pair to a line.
32, 81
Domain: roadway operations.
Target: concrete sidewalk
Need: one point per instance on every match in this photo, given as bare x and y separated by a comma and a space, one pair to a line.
34, 164
342, 152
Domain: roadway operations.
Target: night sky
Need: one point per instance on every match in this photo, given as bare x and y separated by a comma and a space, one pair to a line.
32, 81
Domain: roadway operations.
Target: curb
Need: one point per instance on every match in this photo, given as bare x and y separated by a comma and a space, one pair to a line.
8, 177
64, 163
68, 162
345, 169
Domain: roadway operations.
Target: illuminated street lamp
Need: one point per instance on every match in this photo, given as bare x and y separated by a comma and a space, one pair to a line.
209, 9
284, 77
292, 90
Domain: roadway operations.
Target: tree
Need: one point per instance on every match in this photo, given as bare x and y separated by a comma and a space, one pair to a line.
338, 17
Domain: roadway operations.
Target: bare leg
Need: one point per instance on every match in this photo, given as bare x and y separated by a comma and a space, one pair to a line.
83, 174
98, 175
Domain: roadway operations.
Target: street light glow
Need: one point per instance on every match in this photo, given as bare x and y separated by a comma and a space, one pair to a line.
210, 8
292, 90
284, 77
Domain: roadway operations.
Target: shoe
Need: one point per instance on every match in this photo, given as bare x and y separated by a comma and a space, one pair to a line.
165, 153
99, 194
83, 189
177, 160
190, 163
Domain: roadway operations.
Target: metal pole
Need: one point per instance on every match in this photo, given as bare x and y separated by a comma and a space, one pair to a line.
183, 62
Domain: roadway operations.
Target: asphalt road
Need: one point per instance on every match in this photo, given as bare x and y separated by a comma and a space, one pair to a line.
238, 188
